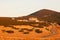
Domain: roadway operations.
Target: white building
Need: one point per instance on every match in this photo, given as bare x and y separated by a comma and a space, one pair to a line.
33, 19
23, 20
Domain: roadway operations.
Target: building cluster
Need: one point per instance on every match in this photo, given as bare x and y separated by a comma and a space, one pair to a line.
31, 19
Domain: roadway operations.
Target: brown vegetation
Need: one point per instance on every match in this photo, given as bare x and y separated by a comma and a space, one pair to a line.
41, 24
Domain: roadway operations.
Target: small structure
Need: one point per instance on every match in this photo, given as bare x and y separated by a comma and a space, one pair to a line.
23, 20
33, 19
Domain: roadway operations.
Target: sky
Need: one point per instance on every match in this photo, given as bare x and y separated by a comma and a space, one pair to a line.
15, 8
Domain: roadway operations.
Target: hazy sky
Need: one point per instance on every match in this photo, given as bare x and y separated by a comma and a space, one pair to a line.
11, 8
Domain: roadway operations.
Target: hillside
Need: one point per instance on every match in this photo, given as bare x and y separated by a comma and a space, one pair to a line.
47, 15
41, 25
44, 15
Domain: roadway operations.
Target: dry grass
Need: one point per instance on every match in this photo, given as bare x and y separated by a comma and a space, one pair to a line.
31, 36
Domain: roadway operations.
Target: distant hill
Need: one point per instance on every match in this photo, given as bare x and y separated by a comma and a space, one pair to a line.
47, 15
44, 15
